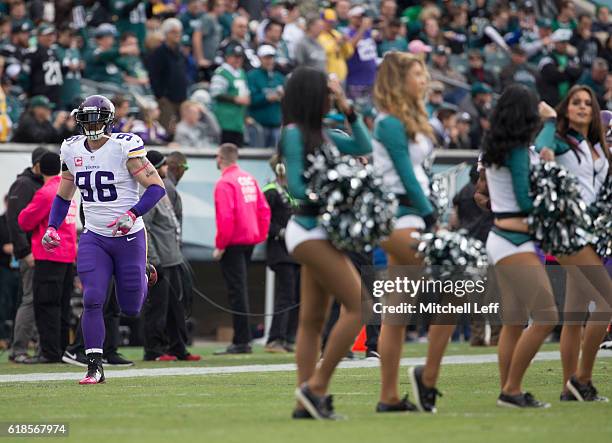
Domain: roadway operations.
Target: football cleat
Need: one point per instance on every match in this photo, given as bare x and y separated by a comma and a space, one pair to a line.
95, 372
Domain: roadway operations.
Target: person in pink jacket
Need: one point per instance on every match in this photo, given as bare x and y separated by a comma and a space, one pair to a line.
243, 219
53, 270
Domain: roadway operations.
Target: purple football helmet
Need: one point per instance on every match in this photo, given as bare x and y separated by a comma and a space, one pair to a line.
95, 116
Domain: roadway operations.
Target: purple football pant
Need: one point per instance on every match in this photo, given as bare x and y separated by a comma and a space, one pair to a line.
99, 258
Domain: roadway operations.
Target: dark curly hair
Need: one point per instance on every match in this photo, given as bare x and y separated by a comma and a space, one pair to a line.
514, 123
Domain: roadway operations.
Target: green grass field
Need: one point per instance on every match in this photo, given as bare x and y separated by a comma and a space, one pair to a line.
255, 407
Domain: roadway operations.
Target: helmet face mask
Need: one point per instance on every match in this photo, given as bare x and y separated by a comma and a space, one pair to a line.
95, 117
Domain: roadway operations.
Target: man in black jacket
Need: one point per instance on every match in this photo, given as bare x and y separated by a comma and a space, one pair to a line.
20, 194
281, 337
45, 67
168, 73
9, 282
35, 124
558, 71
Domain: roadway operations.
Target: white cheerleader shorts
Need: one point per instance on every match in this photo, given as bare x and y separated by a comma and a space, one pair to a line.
499, 248
296, 234
410, 221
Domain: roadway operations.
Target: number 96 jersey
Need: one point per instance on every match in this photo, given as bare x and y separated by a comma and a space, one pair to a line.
107, 188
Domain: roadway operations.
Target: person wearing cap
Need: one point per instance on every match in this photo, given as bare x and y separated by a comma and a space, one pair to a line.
44, 66
15, 51
229, 89
35, 124
478, 105
266, 88
460, 139
392, 38
559, 70
72, 62
207, 34
20, 194
419, 48
566, 19
163, 313
131, 16
275, 10
362, 65
439, 65
239, 34
101, 63
53, 271
435, 98
308, 50
337, 48
518, 70
168, 73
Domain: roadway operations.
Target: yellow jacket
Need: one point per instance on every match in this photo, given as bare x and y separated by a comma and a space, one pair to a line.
337, 51
5, 121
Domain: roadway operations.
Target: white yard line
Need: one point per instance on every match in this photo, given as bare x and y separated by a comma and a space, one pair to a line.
165, 372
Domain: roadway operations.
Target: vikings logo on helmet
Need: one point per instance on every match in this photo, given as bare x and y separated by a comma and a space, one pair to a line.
95, 116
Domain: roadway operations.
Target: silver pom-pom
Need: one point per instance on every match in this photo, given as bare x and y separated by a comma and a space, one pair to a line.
451, 254
438, 189
356, 213
601, 210
560, 221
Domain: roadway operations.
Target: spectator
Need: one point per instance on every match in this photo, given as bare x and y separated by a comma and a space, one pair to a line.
566, 17
431, 34
240, 35
420, 49
477, 71
308, 50
362, 65
44, 66
460, 139
130, 17
206, 37
440, 65
587, 46
19, 13
5, 120
266, 87
479, 105
230, 91
123, 121
595, 78
537, 47
608, 93
281, 336
273, 33
149, 129
20, 194
342, 11
243, 219
275, 11
35, 124
198, 127
135, 77
69, 55
392, 40
168, 73
15, 51
602, 24
388, 11
494, 32
455, 33
9, 281
163, 313
518, 70
606, 52
177, 166
231, 12
101, 64
558, 71
435, 98
53, 270
294, 28
337, 48
443, 124
190, 18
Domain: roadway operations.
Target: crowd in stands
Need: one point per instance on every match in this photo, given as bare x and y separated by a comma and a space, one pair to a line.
196, 73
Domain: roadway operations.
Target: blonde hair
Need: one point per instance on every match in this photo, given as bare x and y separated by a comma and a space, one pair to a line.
391, 94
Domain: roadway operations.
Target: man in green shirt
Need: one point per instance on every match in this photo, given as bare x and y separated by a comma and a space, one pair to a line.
566, 18
72, 62
392, 39
230, 91
103, 64
130, 16
191, 17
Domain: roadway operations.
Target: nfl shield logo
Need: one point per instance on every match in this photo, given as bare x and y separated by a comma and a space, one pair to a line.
78, 161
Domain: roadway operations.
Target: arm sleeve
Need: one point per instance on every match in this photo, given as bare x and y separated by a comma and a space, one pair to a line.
218, 86
258, 98
34, 213
152, 254
392, 135
263, 216
224, 214
357, 144
292, 148
546, 136
518, 163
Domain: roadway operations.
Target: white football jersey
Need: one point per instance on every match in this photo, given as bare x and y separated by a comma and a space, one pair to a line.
107, 188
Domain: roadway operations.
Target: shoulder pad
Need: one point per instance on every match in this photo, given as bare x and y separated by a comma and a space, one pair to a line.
72, 140
131, 144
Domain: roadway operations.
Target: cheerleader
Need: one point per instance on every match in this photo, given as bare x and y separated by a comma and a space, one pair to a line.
521, 277
402, 145
574, 137
326, 272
